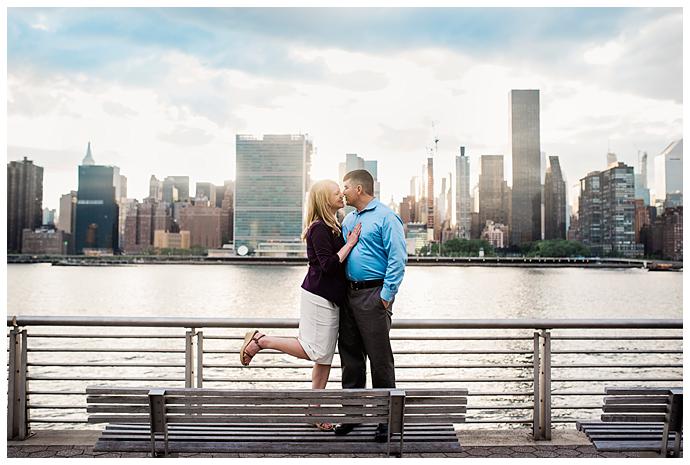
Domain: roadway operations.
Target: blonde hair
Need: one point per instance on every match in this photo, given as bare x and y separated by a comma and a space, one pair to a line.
318, 207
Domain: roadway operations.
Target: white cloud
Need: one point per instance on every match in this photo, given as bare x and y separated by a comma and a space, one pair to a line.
174, 114
607, 54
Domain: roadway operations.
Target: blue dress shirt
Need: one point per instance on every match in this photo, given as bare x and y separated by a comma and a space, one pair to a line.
381, 252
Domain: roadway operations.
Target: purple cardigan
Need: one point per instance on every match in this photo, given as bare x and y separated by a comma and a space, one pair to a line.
326, 275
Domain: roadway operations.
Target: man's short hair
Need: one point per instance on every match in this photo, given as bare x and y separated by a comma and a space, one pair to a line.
363, 178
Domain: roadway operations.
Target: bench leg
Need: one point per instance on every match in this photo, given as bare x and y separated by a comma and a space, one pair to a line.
166, 441
664, 442
676, 444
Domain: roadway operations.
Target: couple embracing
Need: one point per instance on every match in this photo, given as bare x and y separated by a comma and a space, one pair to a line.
347, 296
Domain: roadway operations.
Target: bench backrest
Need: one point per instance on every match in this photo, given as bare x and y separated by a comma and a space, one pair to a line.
435, 405
117, 404
204, 405
639, 405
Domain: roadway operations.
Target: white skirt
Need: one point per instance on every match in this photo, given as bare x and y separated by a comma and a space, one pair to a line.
318, 327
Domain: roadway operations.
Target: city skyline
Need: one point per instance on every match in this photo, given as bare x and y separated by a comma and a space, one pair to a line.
161, 91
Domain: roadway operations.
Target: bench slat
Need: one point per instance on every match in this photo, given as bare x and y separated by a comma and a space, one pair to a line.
636, 391
633, 418
636, 400
634, 408
420, 392
435, 419
435, 400
282, 419
411, 410
270, 410
615, 446
117, 409
269, 393
118, 419
376, 401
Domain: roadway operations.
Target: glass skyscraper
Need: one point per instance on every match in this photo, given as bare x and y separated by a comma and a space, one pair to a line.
97, 209
668, 167
463, 205
526, 153
554, 201
272, 178
24, 200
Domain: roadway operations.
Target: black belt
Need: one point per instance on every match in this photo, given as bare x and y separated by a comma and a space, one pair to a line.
357, 285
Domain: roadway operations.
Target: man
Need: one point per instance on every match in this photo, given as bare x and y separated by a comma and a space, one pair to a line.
374, 271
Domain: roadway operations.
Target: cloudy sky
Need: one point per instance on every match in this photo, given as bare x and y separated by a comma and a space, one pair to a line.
164, 90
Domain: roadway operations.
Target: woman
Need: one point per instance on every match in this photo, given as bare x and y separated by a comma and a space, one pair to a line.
323, 289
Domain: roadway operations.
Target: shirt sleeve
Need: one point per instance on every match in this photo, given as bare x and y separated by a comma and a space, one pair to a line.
394, 243
329, 261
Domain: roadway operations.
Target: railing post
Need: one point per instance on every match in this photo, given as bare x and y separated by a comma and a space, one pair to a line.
536, 413
17, 415
200, 359
541, 426
189, 359
545, 384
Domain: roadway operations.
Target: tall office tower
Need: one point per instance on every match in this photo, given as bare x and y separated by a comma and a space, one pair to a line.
354, 162
607, 211
372, 167
123, 187
24, 201
67, 215
611, 159
449, 200
430, 199
493, 191
270, 187
525, 145
48, 217
642, 218
463, 201
203, 224
144, 226
206, 190
408, 210
441, 204
155, 188
176, 183
668, 171
554, 201
413, 186
220, 191
421, 197
97, 210
227, 212
641, 187
129, 210
589, 212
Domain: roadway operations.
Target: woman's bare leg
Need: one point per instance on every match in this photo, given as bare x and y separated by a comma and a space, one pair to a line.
319, 376
288, 345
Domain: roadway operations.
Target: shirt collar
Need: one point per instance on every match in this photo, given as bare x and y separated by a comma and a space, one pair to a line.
370, 206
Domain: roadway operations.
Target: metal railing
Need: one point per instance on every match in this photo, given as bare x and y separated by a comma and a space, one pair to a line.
537, 374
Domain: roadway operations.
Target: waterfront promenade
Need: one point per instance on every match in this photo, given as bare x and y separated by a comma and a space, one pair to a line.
479, 444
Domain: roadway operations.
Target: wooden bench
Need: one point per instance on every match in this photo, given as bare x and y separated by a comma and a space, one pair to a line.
165, 420
638, 419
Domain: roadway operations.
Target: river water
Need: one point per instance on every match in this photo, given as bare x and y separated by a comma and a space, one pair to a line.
260, 291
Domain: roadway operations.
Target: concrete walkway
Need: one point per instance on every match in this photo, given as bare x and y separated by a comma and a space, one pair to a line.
494, 444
